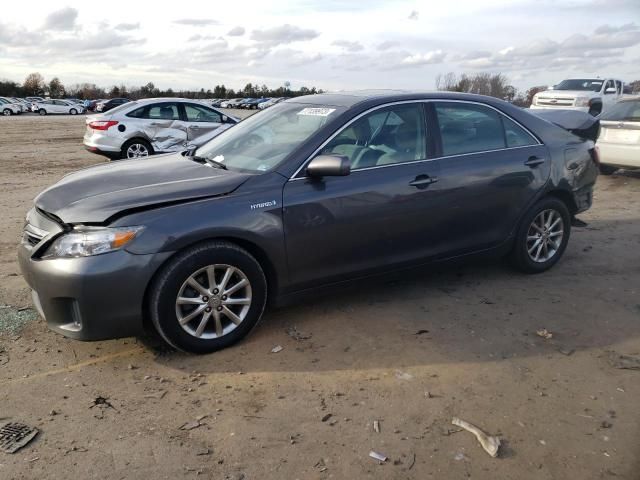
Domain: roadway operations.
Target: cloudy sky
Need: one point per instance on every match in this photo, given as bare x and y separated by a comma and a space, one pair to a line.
329, 44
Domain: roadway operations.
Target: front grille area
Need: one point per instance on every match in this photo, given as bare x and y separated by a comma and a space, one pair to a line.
555, 102
32, 236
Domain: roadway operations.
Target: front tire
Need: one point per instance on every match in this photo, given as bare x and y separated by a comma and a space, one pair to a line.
73, 111
6, 112
208, 297
542, 236
42, 111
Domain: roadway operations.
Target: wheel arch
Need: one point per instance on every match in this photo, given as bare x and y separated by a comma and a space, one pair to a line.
254, 249
565, 197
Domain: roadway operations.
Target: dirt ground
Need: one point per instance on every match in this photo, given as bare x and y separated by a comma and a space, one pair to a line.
410, 354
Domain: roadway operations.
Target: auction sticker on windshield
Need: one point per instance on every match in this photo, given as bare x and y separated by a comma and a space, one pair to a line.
317, 112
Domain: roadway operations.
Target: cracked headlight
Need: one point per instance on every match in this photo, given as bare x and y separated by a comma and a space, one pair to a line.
88, 241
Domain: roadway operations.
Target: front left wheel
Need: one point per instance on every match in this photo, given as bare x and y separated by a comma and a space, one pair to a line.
208, 297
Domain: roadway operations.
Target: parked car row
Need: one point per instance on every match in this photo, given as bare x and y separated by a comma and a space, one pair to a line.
246, 103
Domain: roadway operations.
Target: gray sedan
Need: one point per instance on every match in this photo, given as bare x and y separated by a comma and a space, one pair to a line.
158, 125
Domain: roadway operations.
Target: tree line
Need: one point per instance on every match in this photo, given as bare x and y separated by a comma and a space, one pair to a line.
492, 84
35, 85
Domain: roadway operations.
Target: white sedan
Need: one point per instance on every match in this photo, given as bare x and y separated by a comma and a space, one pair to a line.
619, 140
58, 106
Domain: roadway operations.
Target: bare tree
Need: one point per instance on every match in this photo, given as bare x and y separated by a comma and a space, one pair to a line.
495, 85
34, 84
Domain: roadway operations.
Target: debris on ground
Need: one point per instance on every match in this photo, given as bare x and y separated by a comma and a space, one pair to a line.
489, 443
191, 425
544, 333
102, 402
400, 375
294, 333
15, 435
321, 465
277, 348
413, 462
566, 351
158, 395
13, 320
326, 417
376, 426
421, 332
459, 456
377, 456
625, 362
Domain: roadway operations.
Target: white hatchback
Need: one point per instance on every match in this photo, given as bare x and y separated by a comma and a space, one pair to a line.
619, 140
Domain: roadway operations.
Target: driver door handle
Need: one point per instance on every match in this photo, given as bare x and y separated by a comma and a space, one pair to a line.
534, 161
194, 127
423, 181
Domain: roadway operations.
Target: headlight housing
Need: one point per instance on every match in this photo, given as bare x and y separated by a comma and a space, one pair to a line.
583, 102
87, 241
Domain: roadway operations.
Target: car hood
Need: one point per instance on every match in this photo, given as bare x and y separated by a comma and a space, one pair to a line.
566, 93
95, 194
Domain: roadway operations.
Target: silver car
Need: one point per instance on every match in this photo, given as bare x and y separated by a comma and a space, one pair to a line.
619, 140
58, 106
156, 125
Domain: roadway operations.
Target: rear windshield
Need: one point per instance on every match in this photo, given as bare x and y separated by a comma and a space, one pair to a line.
623, 111
586, 84
121, 107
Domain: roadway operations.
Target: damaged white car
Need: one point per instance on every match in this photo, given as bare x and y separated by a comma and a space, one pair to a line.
157, 125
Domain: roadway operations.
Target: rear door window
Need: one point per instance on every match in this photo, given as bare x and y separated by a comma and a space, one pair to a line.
516, 136
158, 111
469, 128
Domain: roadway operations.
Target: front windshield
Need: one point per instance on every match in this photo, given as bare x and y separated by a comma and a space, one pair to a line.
263, 140
588, 84
627, 111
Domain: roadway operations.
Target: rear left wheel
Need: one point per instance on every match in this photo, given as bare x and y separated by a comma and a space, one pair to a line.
208, 297
42, 111
6, 112
136, 148
542, 236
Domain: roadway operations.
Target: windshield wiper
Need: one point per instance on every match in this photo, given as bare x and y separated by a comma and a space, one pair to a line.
209, 161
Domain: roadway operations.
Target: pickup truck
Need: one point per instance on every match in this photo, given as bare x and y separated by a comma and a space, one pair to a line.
591, 95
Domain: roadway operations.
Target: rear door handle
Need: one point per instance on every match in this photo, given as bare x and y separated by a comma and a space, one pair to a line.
534, 161
423, 181
194, 127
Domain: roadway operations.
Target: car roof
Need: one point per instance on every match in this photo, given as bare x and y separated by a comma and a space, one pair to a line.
374, 97
167, 99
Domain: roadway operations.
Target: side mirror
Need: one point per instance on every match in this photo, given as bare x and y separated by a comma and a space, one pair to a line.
329, 166
610, 90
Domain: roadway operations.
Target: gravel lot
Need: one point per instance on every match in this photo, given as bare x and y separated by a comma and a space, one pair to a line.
410, 354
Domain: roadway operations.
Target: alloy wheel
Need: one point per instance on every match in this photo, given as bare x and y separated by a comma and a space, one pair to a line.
213, 301
544, 236
6, 112
137, 150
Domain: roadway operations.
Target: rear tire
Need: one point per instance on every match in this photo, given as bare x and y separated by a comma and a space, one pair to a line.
607, 169
539, 242
178, 310
42, 111
136, 148
73, 111
7, 112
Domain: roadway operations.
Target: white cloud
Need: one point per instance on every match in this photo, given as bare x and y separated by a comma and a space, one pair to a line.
284, 34
196, 22
348, 45
63, 19
436, 56
236, 32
